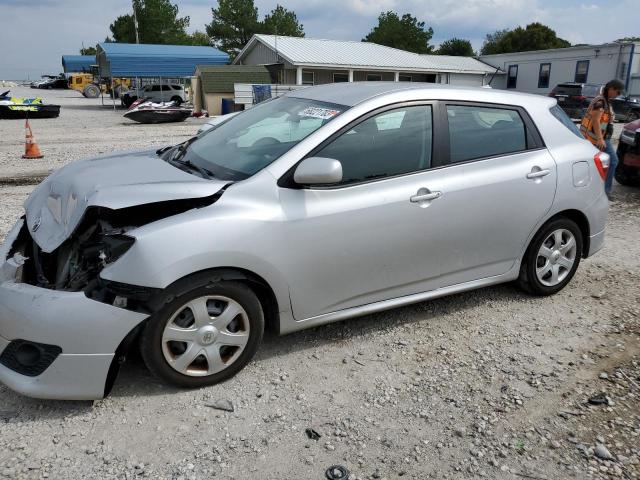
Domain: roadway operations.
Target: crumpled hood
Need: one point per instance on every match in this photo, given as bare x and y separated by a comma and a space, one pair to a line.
56, 206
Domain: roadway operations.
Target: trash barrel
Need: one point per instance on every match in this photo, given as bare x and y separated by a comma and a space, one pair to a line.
227, 106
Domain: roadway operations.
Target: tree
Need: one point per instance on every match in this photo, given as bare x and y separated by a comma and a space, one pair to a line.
628, 39
234, 23
534, 36
405, 33
88, 51
282, 22
457, 47
200, 38
158, 22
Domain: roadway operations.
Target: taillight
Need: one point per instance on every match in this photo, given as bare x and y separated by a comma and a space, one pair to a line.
602, 160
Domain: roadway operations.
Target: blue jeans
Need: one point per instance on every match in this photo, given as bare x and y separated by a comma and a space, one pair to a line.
613, 163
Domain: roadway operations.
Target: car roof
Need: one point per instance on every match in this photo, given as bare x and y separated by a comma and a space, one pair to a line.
354, 93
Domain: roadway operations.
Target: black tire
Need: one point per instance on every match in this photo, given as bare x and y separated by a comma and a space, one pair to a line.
178, 101
91, 91
629, 177
528, 279
633, 116
151, 345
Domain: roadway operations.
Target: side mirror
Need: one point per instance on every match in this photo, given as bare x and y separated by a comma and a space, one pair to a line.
317, 171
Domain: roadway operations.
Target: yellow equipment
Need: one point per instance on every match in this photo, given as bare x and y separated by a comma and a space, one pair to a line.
86, 84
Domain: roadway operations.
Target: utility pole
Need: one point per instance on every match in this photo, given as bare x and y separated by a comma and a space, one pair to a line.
135, 21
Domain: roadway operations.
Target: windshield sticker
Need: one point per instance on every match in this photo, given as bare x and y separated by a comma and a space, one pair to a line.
317, 112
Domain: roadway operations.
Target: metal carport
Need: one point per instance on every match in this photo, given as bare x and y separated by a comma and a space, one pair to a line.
160, 61
77, 63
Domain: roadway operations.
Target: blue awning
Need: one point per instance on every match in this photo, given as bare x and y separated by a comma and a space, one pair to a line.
167, 61
77, 63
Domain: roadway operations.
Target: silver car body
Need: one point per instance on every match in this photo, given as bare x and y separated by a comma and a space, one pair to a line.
326, 254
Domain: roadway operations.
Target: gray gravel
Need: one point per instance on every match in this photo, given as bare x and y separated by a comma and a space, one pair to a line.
491, 383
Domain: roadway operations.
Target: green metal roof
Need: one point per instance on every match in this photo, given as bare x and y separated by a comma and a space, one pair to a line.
220, 78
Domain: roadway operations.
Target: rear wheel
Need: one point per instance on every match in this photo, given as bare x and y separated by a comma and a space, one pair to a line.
177, 100
205, 336
552, 258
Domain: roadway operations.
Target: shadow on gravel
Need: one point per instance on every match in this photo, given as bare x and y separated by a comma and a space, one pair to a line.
134, 378
105, 107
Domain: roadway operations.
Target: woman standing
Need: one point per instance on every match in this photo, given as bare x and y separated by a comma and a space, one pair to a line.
597, 127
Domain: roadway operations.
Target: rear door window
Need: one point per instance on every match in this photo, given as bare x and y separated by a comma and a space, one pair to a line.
479, 132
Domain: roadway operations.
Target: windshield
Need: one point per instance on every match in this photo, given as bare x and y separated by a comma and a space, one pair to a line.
246, 143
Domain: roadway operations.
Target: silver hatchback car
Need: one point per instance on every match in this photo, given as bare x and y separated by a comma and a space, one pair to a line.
325, 204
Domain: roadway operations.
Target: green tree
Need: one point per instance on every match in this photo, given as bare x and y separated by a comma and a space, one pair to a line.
628, 39
282, 22
88, 51
200, 38
234, 23
457, 47
158, 22
534, 36
405, 33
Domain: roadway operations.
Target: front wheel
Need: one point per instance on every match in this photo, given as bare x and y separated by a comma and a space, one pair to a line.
205, 336
552, 258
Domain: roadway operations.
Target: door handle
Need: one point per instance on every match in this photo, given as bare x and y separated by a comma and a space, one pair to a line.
425, 197
538, 173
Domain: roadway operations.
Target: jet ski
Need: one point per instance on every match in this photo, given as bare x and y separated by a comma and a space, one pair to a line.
17, 108
142, 111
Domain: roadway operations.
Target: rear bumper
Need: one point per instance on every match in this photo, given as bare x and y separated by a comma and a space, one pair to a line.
596, 242
87, 331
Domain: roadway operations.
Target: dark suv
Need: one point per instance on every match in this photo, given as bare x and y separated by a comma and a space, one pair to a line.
574, 98
628, 170
627, 109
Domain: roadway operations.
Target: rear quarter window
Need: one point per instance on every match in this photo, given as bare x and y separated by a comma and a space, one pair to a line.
564, 119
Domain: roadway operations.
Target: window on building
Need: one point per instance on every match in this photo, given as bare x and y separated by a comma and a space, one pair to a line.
478, 132
512, 76
391, 143
405, 78
308, 78
340, 77
374, 77
582, 70
543, 75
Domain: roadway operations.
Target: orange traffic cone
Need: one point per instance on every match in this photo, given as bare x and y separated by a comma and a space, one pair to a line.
31, 149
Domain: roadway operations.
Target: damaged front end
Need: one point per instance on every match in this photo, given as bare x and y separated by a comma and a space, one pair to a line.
100, 239
63, 329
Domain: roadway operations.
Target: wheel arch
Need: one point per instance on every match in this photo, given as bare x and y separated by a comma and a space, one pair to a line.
576, 216
263, 290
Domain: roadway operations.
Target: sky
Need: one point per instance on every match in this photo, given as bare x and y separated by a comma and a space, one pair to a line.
34, 34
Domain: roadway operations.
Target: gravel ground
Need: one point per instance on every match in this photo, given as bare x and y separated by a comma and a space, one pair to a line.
491, 383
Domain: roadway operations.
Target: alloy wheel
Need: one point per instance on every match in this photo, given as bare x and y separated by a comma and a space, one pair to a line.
556, 257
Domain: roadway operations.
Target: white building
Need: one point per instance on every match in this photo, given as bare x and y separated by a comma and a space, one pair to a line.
539, 71
308, 61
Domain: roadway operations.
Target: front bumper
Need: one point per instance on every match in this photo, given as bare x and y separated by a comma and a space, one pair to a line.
87, 331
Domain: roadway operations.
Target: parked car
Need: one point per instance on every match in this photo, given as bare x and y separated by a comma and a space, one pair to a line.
324, 204
156, 93
50, 81
628, 169
574, 98
626, 109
